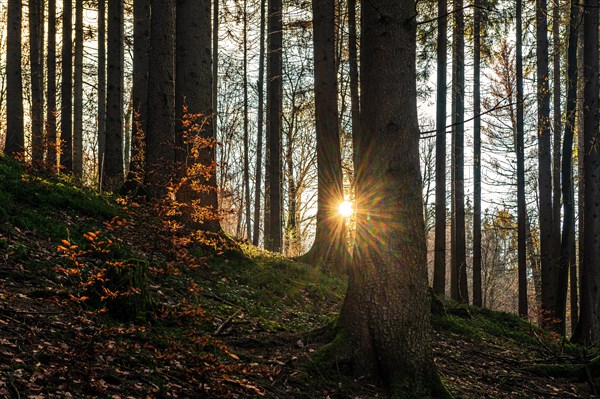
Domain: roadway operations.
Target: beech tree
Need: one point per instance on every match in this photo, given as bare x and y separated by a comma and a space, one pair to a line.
385, 316
51, 111
36, 52
78, 93
101, 86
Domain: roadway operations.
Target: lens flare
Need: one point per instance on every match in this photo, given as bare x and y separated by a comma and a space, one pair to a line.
345, 209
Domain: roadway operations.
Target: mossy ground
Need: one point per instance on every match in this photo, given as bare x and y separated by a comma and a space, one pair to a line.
242, 324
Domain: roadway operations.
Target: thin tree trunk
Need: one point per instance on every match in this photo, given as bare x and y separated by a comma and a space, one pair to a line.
51, 111
273, 234
66, 90
15, 135
215, 66
139, 95
580, 151
439, 268
113, 159
259, 134
556, 126
522, 221
568, 232
36, 45
101, 87
477, 294
458, 83
78, 93
246, 128
589, 321
547, 238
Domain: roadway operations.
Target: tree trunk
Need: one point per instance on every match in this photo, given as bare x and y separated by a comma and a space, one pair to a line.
113, 158
547, 238
66, 90
329, 247
215, 66
589, 320
78, 93
458, 104
160, 136
193, 96
520, 148
354, 83
273, 234
439, 268
246, 128
556, 127
580, 151
101, 87
15, 135
259, 134
36, 45
139, 95
51, 111
477, 294
385, 316
568, 232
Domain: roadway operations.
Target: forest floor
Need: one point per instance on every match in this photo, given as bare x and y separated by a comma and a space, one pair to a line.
233, 322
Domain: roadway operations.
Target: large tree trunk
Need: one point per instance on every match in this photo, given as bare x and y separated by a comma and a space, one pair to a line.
522, 221
547, 237
139, 95
36, 57
477, 294
460, 291
385, 317
66, 90
160, 135
328, 249
78, 93
113, 175
15, 135
589, 321
259, 134
51, 146
273, 233
101, 87
193, 93
439, 267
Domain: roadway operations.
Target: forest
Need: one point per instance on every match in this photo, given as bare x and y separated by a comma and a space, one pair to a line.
299, 199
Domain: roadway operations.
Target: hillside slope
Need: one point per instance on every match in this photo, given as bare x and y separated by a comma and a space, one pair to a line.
98, 298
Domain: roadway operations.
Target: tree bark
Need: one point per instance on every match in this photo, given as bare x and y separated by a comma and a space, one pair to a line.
259, 134
460, 291
385, 316
160, 136
329, 247
193, 96
568, 232
522, 221
141, 65
273, 222
15, 135
246, 128
36, 45
477, 294
51, 111
113, 159
439, 268
78, 93
589, 321
101, 87
547, 238
66, 90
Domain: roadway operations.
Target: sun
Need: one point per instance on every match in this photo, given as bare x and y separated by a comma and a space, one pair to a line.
345, 209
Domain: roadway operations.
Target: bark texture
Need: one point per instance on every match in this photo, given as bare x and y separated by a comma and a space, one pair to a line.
15, 136
66, 90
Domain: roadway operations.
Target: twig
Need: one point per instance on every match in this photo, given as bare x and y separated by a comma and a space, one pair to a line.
227, 322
